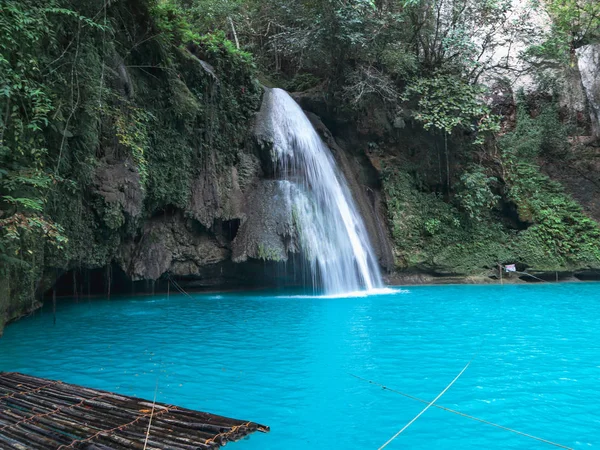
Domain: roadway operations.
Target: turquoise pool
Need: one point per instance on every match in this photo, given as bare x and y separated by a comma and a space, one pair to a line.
287, 361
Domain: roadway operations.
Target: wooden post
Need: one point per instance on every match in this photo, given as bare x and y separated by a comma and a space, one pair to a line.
500, 270
81, 279
108, 280
54, 304
75, 287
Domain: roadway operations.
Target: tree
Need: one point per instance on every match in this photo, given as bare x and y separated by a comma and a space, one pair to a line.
578, 21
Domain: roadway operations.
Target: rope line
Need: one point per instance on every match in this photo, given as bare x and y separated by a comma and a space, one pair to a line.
31, 391
426, 408
523, 273
159, 371
119, 428
49, 413
226, 434
453, 411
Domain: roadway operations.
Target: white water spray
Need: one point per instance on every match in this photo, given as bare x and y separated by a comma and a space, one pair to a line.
332, 234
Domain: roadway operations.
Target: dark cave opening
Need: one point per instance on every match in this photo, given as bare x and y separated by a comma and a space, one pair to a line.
103, 281
509, 214
229, 228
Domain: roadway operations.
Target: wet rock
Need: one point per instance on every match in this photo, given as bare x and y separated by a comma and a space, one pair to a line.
220, 193
268, 232
174, 244
118, 184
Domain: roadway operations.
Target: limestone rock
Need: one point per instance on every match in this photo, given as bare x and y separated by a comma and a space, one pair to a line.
268, 233
118, 184
171, 243
589, 68
219, 194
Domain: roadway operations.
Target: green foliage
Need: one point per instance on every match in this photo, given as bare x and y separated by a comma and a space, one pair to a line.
561, 234
25, 106
213, 15
446, 102
575, 23
170, 19
576, 20
432, 234
84, 87
475, 195
399, 61
302, 82
219, 47
131, 125
555, 48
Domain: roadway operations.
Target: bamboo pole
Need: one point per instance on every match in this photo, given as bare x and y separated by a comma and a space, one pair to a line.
237, 43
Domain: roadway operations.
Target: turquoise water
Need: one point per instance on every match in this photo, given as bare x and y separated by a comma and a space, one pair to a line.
286, 361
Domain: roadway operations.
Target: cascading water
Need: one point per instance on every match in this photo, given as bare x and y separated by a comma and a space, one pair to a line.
331, 232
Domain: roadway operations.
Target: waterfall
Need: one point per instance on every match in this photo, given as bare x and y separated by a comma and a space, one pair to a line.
331, 233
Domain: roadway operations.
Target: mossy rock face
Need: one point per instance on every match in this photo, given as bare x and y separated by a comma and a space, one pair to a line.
171, 244
120, 190
219, 193
159, 126
550, 232
433, 236
268, 231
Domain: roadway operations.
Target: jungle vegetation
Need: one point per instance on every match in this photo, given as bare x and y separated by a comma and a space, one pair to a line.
83, 81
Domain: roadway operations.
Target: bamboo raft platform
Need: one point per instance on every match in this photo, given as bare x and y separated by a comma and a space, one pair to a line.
37, 413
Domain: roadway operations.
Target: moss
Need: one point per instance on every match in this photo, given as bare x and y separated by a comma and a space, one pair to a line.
561, 235
19, 280
269, 253
430, 233
121, 96
434, 235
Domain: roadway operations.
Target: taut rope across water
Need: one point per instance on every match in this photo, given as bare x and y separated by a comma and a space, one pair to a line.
429, 405
412, 397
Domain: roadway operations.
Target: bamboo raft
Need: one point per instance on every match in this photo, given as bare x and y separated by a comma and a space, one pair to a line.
37, 413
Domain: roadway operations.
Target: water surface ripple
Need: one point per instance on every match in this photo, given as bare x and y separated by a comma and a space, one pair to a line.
286, 360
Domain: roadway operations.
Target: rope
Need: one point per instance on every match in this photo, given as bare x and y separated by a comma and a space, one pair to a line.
30, 391
119, 428
59, 409
524, 273
158, 374
151, 416
227, 433
532, 276
426, 408
545, 441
